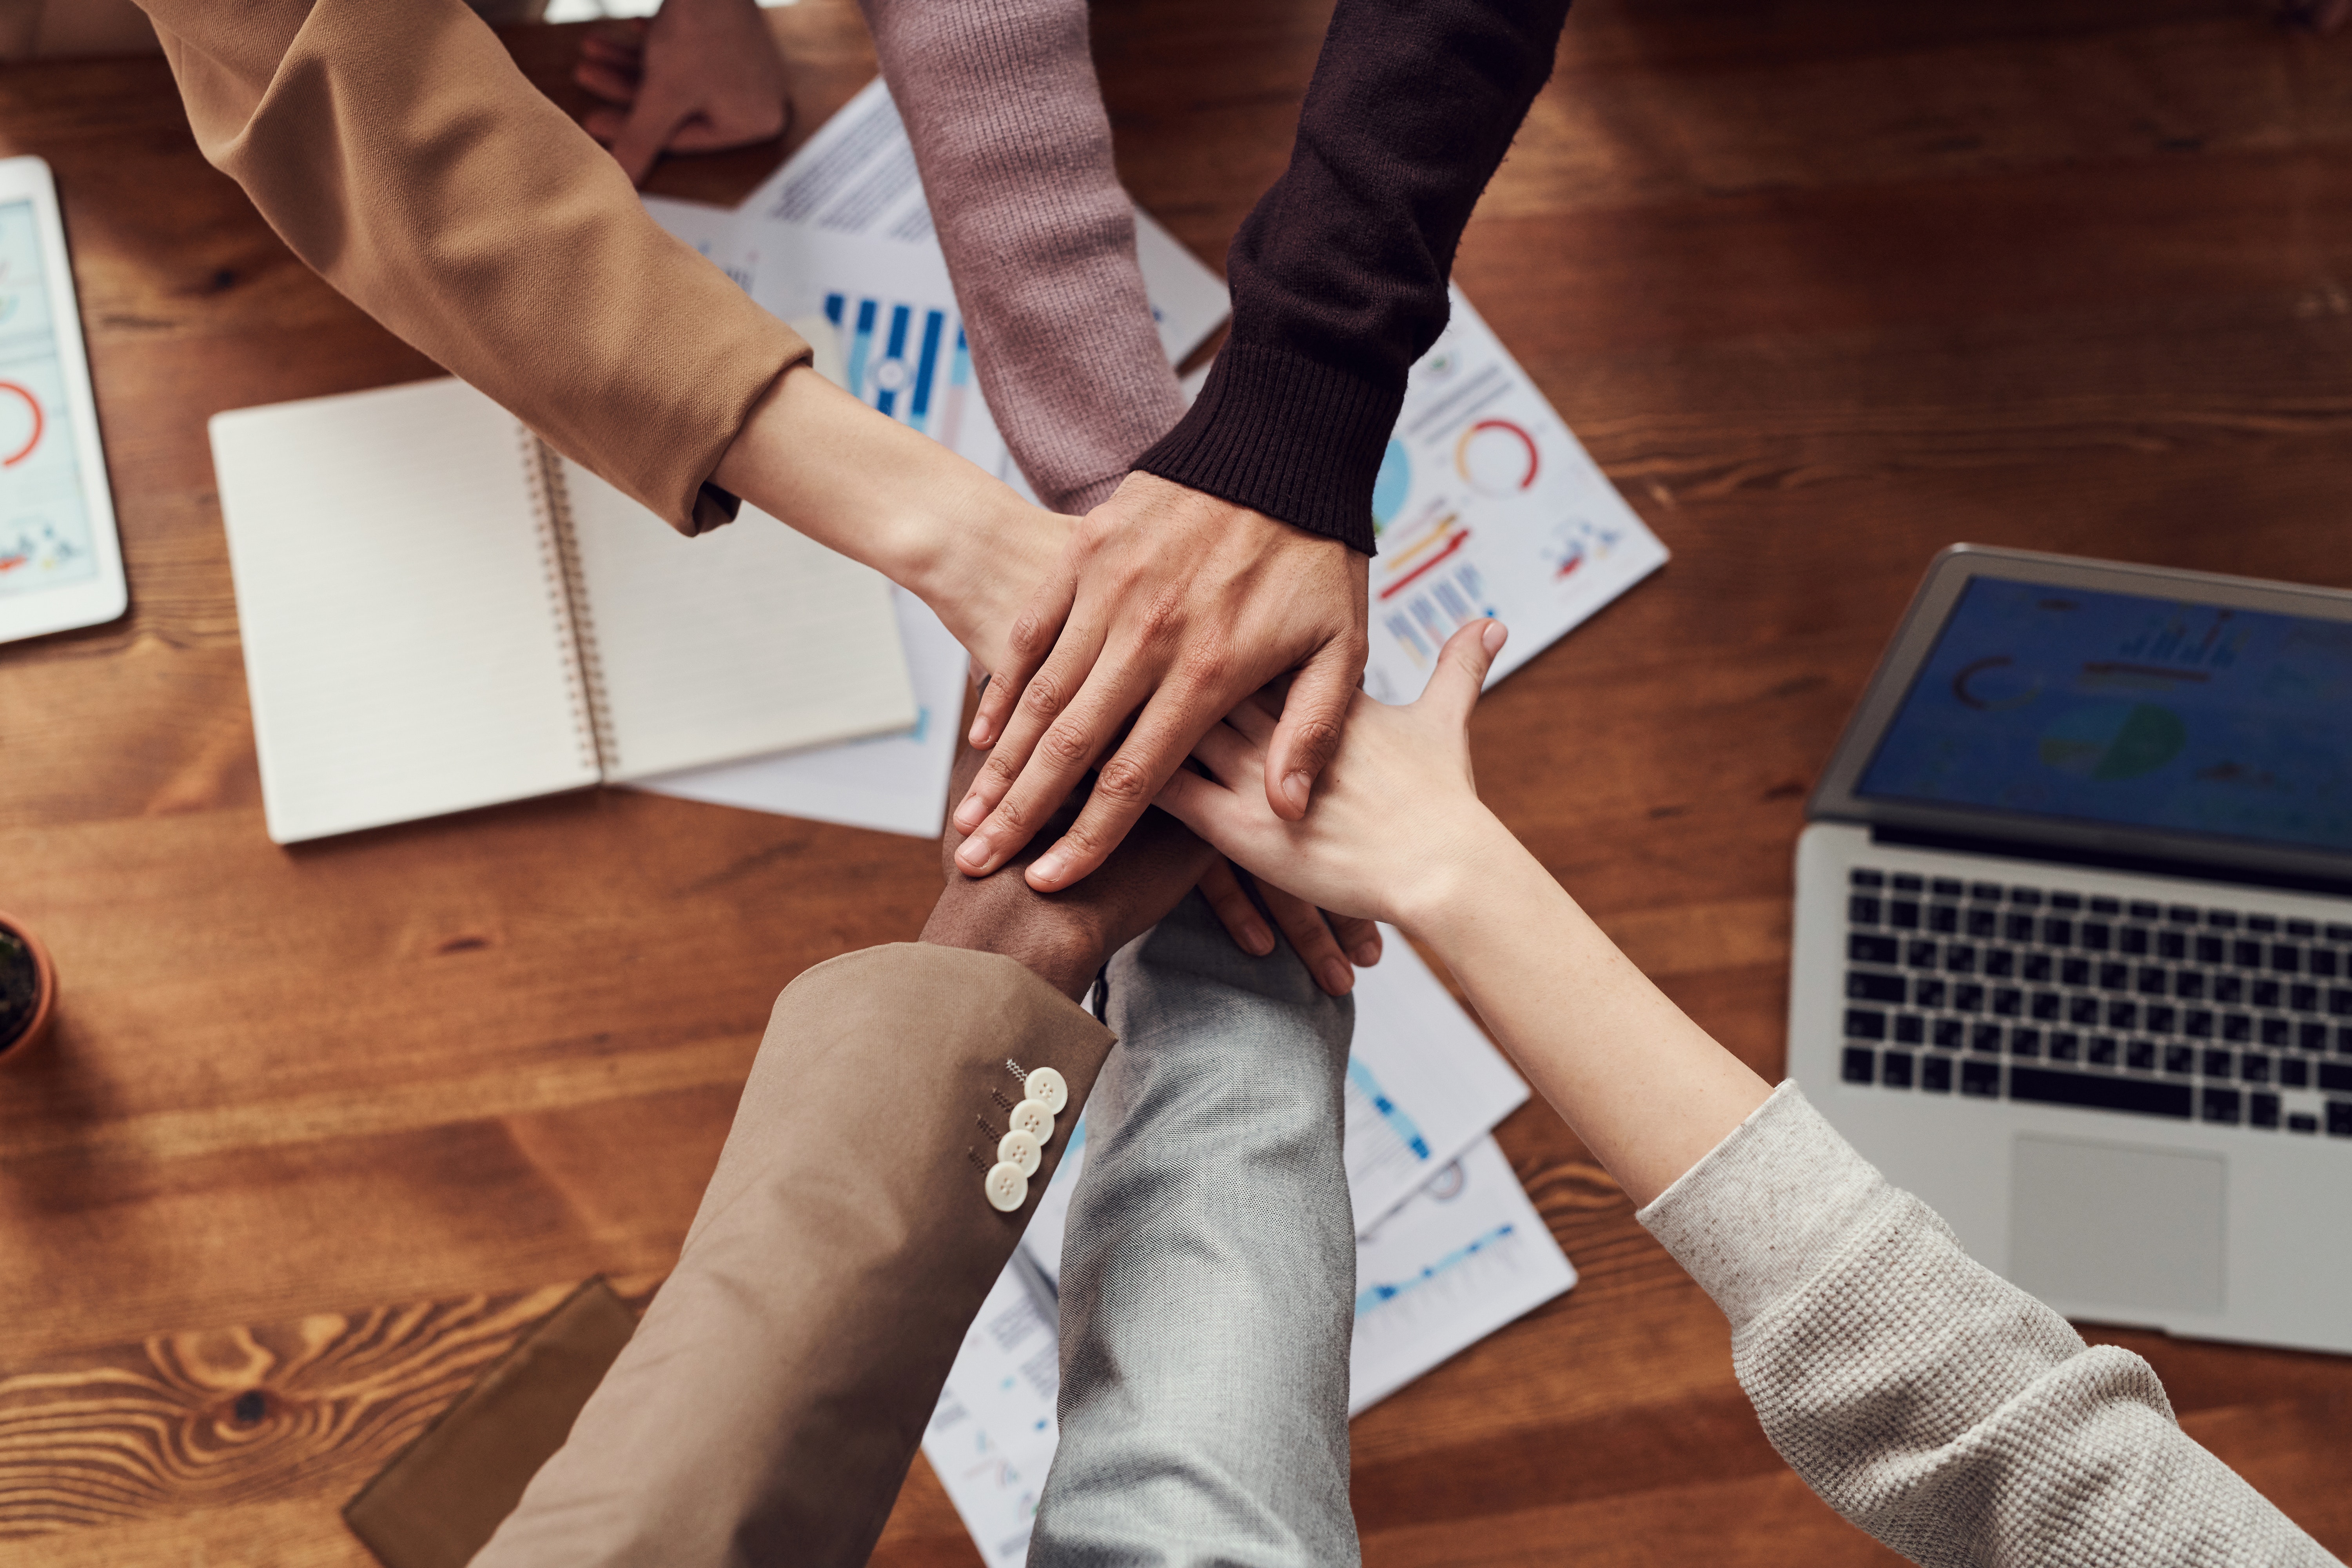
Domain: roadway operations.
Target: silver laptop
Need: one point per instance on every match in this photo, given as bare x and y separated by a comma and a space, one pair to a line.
2074, 937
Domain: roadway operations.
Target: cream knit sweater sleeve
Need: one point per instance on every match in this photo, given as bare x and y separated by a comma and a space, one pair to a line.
1943, 1410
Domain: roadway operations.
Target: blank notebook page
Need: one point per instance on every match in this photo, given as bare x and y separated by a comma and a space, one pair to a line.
750, 638
405, 641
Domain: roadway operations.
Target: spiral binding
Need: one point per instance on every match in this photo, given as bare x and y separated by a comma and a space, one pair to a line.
567, 594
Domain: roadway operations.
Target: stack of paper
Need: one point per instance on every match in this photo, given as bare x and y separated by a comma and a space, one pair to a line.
840, 233
1448, 1249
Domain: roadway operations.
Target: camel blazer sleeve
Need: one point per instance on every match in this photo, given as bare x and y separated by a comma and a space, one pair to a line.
773, 1396
399, 151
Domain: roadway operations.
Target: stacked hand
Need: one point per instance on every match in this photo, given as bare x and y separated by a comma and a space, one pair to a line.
1067, 937
1357, 852
1168, 608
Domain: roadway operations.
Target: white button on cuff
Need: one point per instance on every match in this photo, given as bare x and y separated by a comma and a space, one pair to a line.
1007, 1188
1047, 1088
1018, 1148
1034, 1120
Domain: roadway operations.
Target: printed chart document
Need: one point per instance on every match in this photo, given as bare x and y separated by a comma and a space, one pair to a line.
856, 177
992, 1435
1423, 1081
1459, 1254
1465, 1254
1486, 505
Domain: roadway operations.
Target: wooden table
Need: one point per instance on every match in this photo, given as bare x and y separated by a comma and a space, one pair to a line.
1824, 285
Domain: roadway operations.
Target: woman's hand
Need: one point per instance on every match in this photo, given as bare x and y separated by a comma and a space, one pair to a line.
1396, 829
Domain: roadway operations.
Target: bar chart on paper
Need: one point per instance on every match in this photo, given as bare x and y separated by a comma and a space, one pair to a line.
907, 361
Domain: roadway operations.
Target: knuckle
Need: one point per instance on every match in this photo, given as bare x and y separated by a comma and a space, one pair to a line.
1207, 670
1123, 782
1013, 816
1031, 636
1318, 738
1045, 696
1065, 744
1161, 619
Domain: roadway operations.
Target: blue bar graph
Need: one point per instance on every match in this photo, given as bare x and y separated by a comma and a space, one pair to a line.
898, 375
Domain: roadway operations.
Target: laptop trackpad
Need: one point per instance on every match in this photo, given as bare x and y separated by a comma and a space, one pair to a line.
2134, 1228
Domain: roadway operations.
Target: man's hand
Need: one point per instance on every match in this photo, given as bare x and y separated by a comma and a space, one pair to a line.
1168, 607
1065, 938
702, 76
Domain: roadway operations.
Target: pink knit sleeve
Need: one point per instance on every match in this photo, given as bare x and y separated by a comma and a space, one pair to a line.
1010, 134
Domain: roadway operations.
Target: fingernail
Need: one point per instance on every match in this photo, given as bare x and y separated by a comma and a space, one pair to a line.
980, 730
968, 815
974, 856
1493, 636
1367, 955
1338, 978
1258, 939
1295, 788
1049, 866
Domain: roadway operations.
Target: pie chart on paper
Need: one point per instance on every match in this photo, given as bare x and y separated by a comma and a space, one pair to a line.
21, 424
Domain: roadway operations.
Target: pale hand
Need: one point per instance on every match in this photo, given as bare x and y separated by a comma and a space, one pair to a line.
1168, 607
1396, 822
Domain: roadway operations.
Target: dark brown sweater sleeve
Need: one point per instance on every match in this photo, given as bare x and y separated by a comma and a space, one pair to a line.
1339, 274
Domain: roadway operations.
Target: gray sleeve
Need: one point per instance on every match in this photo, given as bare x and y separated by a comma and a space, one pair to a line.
1937, 1406
1209, 1271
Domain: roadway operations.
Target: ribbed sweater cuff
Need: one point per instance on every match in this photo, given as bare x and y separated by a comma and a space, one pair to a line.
1287, 436
1765, 1209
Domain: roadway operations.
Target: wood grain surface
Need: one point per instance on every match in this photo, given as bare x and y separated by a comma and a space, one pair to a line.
1824, 284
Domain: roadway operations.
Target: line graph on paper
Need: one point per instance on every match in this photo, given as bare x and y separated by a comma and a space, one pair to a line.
1381, 1137
1467, 1255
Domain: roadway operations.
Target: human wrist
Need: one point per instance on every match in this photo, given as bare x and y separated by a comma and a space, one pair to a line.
1461, 874
1056, 950
977, 560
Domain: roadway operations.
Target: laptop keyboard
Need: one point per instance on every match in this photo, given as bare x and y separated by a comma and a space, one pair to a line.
2000, 991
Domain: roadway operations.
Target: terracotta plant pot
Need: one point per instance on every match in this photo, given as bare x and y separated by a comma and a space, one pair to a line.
28, 989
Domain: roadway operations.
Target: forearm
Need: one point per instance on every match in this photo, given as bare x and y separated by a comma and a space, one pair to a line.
1009, 132
769, 1405
1934, 1405
1339, 274
398, 150
862, 484
1648, 1091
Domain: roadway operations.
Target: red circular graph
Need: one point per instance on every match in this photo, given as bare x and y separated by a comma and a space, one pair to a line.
1505, 428
40, 423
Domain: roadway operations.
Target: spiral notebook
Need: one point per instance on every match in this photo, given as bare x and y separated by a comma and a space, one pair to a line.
440, 612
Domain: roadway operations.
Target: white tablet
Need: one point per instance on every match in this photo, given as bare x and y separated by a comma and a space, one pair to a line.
60, 563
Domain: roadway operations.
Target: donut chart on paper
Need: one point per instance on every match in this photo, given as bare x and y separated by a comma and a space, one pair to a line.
40, 421
1497, 458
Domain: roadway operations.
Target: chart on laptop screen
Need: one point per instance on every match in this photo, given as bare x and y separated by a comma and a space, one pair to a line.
2147, 713
44, 539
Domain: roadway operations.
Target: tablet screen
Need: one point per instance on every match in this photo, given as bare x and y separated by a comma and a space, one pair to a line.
2172, 715
44, 527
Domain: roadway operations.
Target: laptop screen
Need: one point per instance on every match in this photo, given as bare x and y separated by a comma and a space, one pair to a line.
2144, 713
